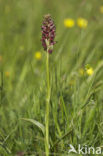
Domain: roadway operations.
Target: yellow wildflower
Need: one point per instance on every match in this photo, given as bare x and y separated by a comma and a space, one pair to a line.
101, 9
89, 71
69, 23
38, 55
82, 23
7, 74
0, 58
81, 71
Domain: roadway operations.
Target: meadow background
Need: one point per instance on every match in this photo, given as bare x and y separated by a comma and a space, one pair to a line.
76, 72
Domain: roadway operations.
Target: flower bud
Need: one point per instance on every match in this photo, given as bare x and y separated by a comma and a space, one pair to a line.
48, 33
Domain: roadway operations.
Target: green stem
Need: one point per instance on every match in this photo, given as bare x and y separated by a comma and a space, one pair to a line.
47, 107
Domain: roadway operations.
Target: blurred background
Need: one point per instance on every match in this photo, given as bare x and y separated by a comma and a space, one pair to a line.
20, 31
79, 50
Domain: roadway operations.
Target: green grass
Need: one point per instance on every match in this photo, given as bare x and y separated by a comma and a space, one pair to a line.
76, 103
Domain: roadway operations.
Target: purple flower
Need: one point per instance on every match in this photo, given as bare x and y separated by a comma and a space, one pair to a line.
48, 33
